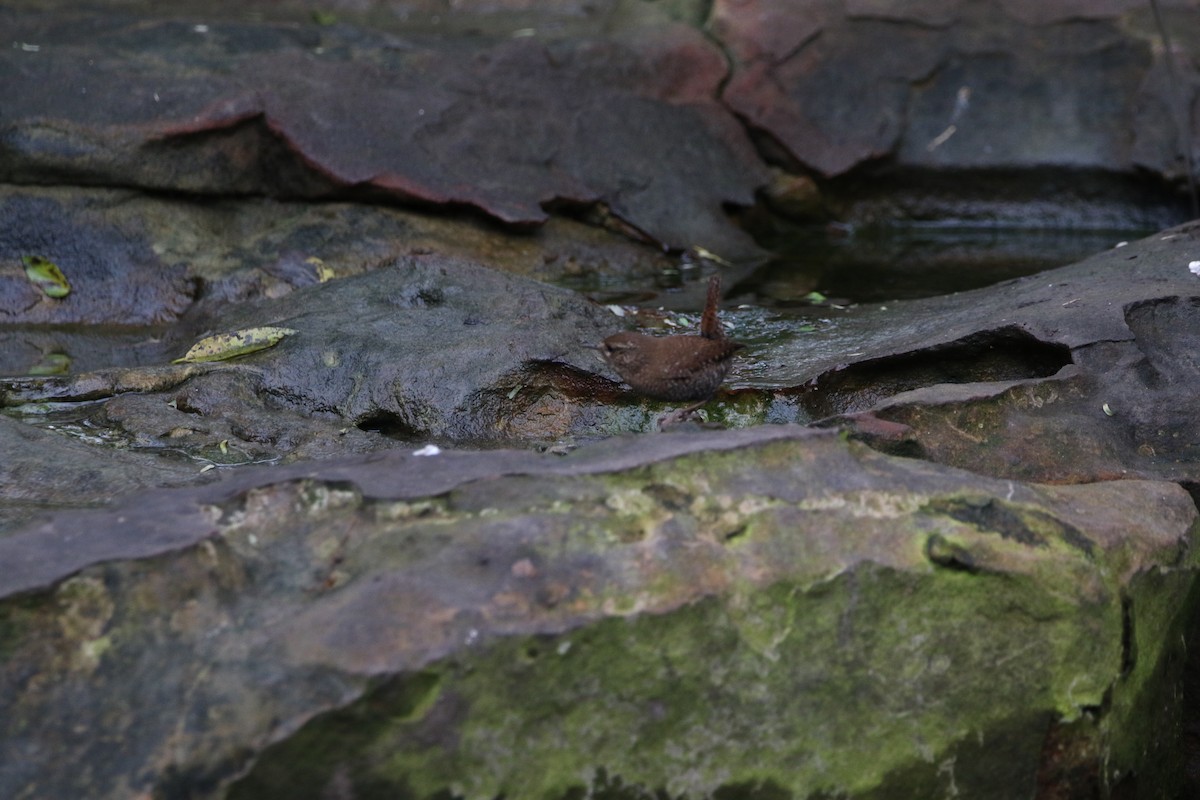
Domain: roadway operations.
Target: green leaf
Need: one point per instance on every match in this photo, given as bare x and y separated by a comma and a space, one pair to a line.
45, 274
52, 364
224, 346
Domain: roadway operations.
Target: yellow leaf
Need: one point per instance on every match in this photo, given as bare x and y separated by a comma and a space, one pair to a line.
224, 346
710, 256
324, 273
45, 274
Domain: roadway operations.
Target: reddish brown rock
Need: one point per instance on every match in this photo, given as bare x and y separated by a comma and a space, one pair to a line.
511, 126
943, 84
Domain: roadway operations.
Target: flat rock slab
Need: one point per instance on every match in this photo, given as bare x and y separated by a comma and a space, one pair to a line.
148, 275
682, 613
1011, 380
1076, 374
935, 85
510, 126
1046, 317
648, 112
423, 347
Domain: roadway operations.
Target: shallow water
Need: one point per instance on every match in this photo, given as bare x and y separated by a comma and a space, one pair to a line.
896, 262
844, 267
822, 275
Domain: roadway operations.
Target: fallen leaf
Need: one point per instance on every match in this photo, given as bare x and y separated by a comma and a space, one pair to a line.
224, 346
710, 256
323, 272
52, 364
45, 274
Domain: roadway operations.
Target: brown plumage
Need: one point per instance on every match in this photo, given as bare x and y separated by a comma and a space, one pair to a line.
675, 368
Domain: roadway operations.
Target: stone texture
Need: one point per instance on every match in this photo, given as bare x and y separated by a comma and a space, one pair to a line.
507, 125
695, 614
126, 282
952, 85
1076, 374
757, 612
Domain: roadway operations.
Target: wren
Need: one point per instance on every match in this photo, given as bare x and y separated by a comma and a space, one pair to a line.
675, 368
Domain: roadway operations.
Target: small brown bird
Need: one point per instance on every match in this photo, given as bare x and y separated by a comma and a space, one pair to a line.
675, 368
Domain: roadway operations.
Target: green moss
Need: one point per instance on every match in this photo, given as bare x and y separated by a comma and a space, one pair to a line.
942, 671
739, 410
338, 744
1144, 728
832, 687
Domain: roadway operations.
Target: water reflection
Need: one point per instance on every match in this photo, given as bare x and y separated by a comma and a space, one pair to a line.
884, 263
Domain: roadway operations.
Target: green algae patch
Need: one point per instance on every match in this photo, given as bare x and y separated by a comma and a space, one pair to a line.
831, 687
838, 640
339, 743
1145, 725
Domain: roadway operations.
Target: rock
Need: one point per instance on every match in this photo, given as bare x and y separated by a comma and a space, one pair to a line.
795, 196
61, 468
148, 275
1014, 380
916, 89
506, 125
428, 347
769, 611
126, 283
716, 612
1026, 366
428, 340
279, 250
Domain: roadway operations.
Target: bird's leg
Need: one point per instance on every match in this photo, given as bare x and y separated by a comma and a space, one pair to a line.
680, 414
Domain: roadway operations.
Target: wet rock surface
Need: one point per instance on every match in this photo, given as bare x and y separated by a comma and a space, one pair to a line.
1092, 357
428, 335
240, 579
232, 108
639, 110
939, 93
713, 588
148, 274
